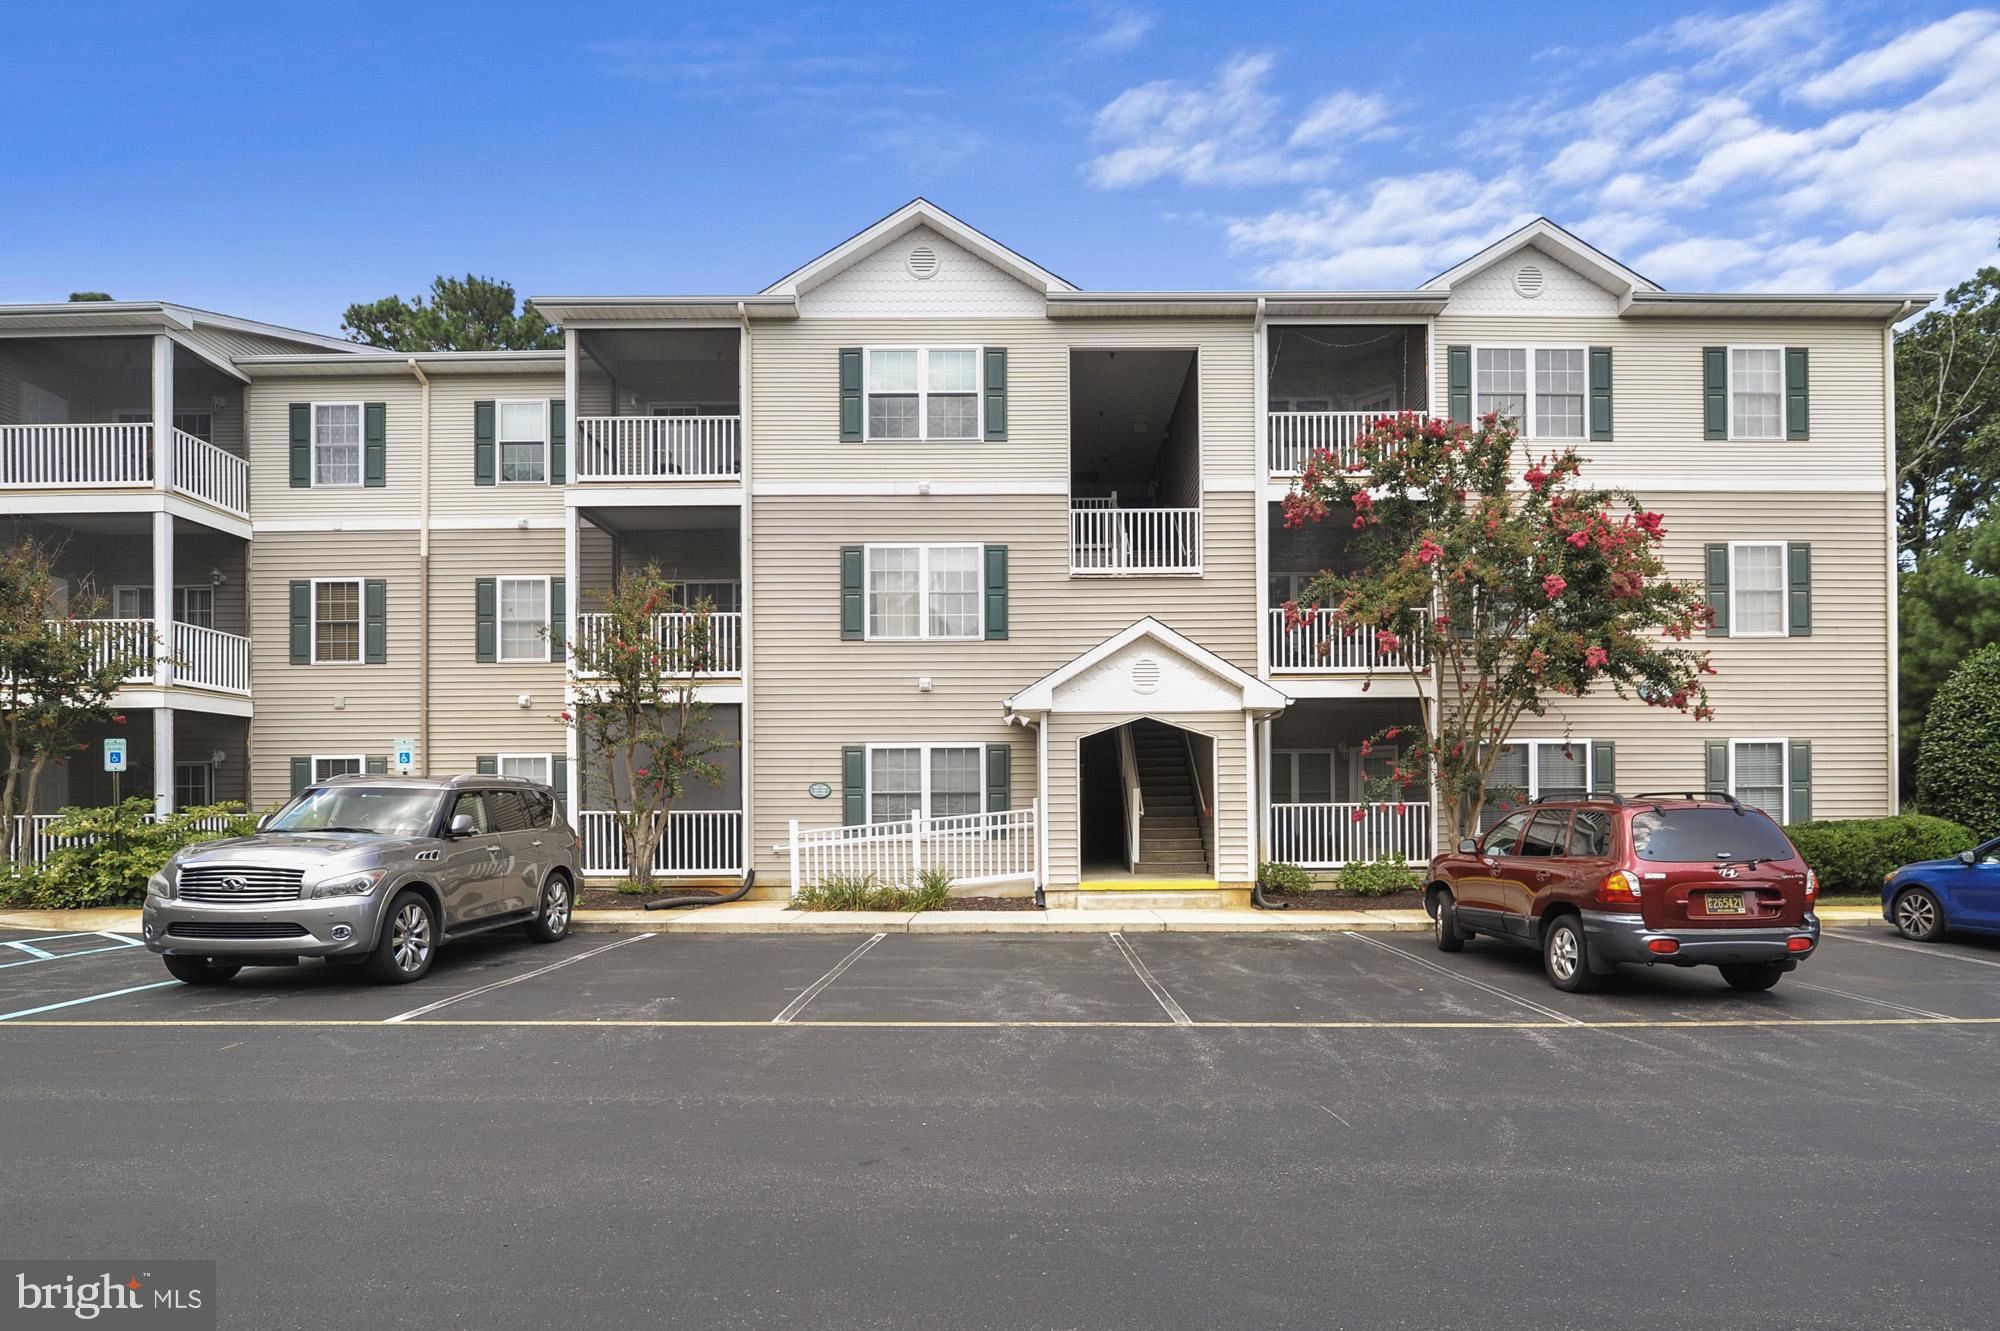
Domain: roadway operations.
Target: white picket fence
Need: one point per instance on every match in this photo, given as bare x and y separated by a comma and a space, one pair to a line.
1296, 435
658, 448
1326, 836
697, 841
973, 848
32, 841
1320, 644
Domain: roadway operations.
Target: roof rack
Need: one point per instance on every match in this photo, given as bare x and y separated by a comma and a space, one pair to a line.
1584, 798
1695, 795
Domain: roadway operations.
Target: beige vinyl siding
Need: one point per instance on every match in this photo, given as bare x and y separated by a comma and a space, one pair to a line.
475, 705
454, 498
1229, 798
815, 692
272, 498
1657, 398
796, 408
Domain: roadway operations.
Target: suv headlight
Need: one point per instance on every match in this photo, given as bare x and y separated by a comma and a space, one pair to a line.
358, 884
161, 884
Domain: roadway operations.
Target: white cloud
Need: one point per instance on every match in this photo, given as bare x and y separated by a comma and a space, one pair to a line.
1899, 61
1124, 30
1377, 238
1341, 115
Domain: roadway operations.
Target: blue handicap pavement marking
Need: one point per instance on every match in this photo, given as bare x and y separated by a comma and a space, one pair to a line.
90, 998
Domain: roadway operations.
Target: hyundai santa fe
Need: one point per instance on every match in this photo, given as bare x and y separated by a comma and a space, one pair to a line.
1676, 880
369, 869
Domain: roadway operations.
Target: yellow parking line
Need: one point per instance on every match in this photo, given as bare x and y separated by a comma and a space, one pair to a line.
1788, 1023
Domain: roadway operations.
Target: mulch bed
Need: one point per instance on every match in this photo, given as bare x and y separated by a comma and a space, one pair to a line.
991, 903
610, 898
1334, 899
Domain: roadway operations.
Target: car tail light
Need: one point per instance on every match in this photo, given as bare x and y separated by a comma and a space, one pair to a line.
1798, 943
1812, 884
1620, 889
1666, 947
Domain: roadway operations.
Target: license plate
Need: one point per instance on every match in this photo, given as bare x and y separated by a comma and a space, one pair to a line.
1726, 903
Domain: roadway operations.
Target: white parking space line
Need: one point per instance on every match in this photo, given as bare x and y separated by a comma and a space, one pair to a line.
1864, 998
811, 991
1921, 949
514, 979
1449, 973
92, 998
1158, 990
32, 951
123, 944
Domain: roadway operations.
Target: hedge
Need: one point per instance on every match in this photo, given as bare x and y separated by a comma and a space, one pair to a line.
1853, 855
1956, 775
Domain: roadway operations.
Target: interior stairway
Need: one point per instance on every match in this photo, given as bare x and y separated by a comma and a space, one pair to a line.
1173, 837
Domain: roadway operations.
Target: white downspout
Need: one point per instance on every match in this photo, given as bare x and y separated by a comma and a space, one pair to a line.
572, 575
747, 639
1259, 479
423, 574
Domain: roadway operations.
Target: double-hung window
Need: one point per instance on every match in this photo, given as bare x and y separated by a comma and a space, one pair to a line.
336, 621
192, 604
1541, 389
1756, 393
526, 766
1302, 776
336, 443
924, 591
523, 437
336, 764
927, 780
1757, 590
1529, 769
524, 619
1757, 775
923, 392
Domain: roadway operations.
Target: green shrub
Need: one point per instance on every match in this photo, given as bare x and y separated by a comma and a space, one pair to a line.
1380, 878
868, 891
117, 851
1956, 775
931, 890
1852, 855
1279, 879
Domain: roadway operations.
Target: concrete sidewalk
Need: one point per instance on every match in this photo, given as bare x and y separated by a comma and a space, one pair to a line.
773, 917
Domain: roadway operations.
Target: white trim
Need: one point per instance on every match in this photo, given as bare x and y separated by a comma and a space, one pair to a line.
500, 441
917, 212
1729, 394
545, 759
923, 633
810, 489
360, 761
1594, 263
1258, 695
313, 481
500, 656
360, 621
922, 351
1784, 770
1530, 422
1534, 787
1784, 629
924, 749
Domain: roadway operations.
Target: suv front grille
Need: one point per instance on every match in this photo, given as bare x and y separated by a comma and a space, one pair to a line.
246, 883
235, 929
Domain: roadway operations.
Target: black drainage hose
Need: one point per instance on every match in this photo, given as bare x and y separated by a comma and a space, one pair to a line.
1258, 900
704, 899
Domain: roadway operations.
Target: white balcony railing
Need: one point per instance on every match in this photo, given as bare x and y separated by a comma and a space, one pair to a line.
114, 638
697, 841
1296, 435
75, 456
1326, 836
213, 475
208, 659
1125, 541
1320, 644
973, 848
670, 630
658, 448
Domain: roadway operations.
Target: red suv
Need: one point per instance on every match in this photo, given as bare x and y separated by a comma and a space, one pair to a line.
1676, 880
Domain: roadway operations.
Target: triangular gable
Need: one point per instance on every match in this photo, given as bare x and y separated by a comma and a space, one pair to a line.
1243, 689
916, 213
1543, 234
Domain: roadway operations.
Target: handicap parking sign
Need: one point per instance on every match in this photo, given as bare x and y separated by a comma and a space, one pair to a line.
114, 755
405, 756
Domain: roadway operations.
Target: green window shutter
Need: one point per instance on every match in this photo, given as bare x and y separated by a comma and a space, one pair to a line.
1798, 771
1600, 392
999, 774
487, 764
302, 773
483, 434
486, 616
376, 764
375, 613
1715, 392
996, 394
1798, 568
1798, 416
850, 395
996, 592
559, 777
1458, 383
1603, 767
1718, 588
1716, 776
302, 446
375, 444
853, 784
558, 441
302, 605
558, 616
852, 610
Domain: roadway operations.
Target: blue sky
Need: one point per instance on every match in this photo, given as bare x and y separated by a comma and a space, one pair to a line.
282, 161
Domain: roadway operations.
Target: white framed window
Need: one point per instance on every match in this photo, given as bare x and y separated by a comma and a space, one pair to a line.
927, 780
336, 621
1529, 769
725, 596
922, 392
1756, 392
132, 602
1758, 775
1757, 600
523, 613
193, 604
526, 766
326, 765
1371, 771
921, 592
1543, 390
194, 785
1302, 776
336, 443
200, 424
522, 433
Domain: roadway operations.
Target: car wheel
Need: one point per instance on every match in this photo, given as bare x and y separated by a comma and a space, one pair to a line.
1753, 976
1445, 922
1566, 956
408, 943
200, 970
1918, 915
551, 922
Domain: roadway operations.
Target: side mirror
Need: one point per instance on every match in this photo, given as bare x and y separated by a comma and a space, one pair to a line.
461, 825
1468, 846
1965, 857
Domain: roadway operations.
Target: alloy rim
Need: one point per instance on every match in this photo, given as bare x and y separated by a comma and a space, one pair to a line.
410, 937
555, 914
1562, 953
1915, 913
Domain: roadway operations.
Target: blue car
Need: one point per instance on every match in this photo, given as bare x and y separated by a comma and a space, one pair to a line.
1929, 899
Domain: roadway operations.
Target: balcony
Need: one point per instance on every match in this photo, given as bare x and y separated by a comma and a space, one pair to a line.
1320, 645
1295, 436
659, 448
658, 404
75, 457
213, 475
1130, 542
111, 639
724, 654
1329, 383
202, 658
1327, 836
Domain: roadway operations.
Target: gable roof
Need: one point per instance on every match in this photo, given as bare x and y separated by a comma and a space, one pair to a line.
1039, 697
917, 212
1587, 259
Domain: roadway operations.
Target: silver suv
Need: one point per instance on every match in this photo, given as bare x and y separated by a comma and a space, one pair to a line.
378, 870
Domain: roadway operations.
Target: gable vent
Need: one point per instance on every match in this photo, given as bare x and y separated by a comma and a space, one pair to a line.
1145, 675
1528, 281
922, 263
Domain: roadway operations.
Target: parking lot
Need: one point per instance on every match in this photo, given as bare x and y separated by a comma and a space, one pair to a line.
1086, 1130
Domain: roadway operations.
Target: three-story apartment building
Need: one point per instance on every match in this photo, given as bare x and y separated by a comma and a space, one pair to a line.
996, 563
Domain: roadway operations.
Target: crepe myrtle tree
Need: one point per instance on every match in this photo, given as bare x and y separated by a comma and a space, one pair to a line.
1514, 586
635, 679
